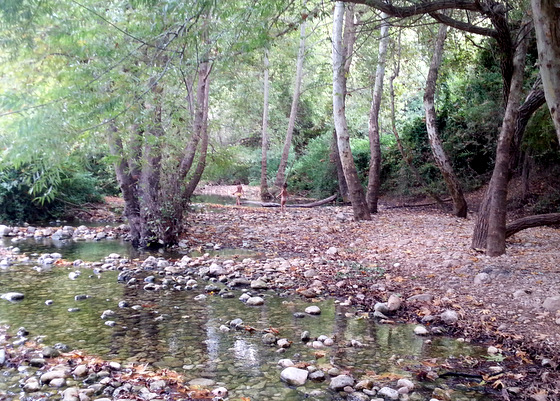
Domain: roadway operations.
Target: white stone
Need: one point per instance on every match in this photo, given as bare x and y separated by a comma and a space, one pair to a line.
313, 310
393, 303
481, 278
420, 331
332, 251
389, 393
285, 363
294, 376
339, 382
449, 316
405, 383
552, 304
255, 301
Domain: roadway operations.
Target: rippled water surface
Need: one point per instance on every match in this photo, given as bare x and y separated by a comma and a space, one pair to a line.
169, 329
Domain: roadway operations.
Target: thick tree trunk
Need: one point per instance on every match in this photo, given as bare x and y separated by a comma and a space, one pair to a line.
265, 195
335, 159
201, 165
355, 190
546, 16
127, 178
440, 157
532, 221
374, 176
281, 174
490, 228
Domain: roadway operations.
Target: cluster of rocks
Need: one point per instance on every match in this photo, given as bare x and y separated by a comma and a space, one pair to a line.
353, 390
47, 371
80, 233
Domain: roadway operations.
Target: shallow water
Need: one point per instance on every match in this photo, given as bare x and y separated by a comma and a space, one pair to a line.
171, 330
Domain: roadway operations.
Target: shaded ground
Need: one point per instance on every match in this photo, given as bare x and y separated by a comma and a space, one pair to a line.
418, 250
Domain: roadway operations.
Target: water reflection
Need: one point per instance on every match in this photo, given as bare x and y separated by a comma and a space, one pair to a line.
169, 329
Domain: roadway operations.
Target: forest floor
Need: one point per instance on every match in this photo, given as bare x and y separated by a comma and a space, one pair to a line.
510, 302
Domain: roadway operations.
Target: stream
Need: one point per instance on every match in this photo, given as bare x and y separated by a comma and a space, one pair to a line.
170, 329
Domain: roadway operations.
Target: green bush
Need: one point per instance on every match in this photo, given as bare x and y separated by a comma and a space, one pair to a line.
19, 205
225, 165
313, 172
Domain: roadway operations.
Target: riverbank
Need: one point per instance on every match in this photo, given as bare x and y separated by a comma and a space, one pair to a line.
511, 302
423, 256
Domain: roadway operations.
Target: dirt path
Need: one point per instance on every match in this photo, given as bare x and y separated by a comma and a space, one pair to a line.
511, 302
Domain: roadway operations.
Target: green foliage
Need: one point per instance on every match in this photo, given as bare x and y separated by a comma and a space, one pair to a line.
18, 203
314, 172
228, 164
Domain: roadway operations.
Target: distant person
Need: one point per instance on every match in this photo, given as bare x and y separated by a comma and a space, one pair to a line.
283, 197
238, 193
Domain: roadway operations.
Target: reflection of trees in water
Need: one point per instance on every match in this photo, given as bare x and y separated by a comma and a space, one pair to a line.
168, 324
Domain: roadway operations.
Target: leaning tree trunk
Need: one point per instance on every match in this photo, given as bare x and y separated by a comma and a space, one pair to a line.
265, 195
441, 159
355, 190
490, 228
374, 177
203, 152
281, 174
546, 16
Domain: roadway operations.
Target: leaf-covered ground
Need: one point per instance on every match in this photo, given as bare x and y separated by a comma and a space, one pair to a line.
409, 251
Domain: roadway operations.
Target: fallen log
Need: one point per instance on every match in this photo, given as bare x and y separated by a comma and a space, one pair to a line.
532, 221
304, 205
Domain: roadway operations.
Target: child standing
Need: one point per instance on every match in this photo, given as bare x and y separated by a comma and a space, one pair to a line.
238, 193
283, 197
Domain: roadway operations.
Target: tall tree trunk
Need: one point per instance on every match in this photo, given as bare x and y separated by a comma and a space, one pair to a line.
355, 190
201, 165
265, 195
374, 176
281, 174
441, 159
335, 159
490, 228
546, 16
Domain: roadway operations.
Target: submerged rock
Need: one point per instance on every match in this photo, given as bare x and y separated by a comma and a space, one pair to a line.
13, 296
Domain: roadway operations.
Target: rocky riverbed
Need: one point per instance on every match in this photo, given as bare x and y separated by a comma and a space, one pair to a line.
405, 265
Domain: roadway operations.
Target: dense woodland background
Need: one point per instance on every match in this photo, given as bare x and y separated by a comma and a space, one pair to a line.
147, 99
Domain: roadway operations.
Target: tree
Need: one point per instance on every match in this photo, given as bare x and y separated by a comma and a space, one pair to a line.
265, 195
147, 90
442, 161
492, 212
546, 16
340, 56
374, 176
281, 175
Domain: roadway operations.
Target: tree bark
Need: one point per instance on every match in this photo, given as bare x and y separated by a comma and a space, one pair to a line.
265, 195
374, 176
281, 174
441, 159
335, 159
490, 228
321, 202
546, 16
339, 55
532, 221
